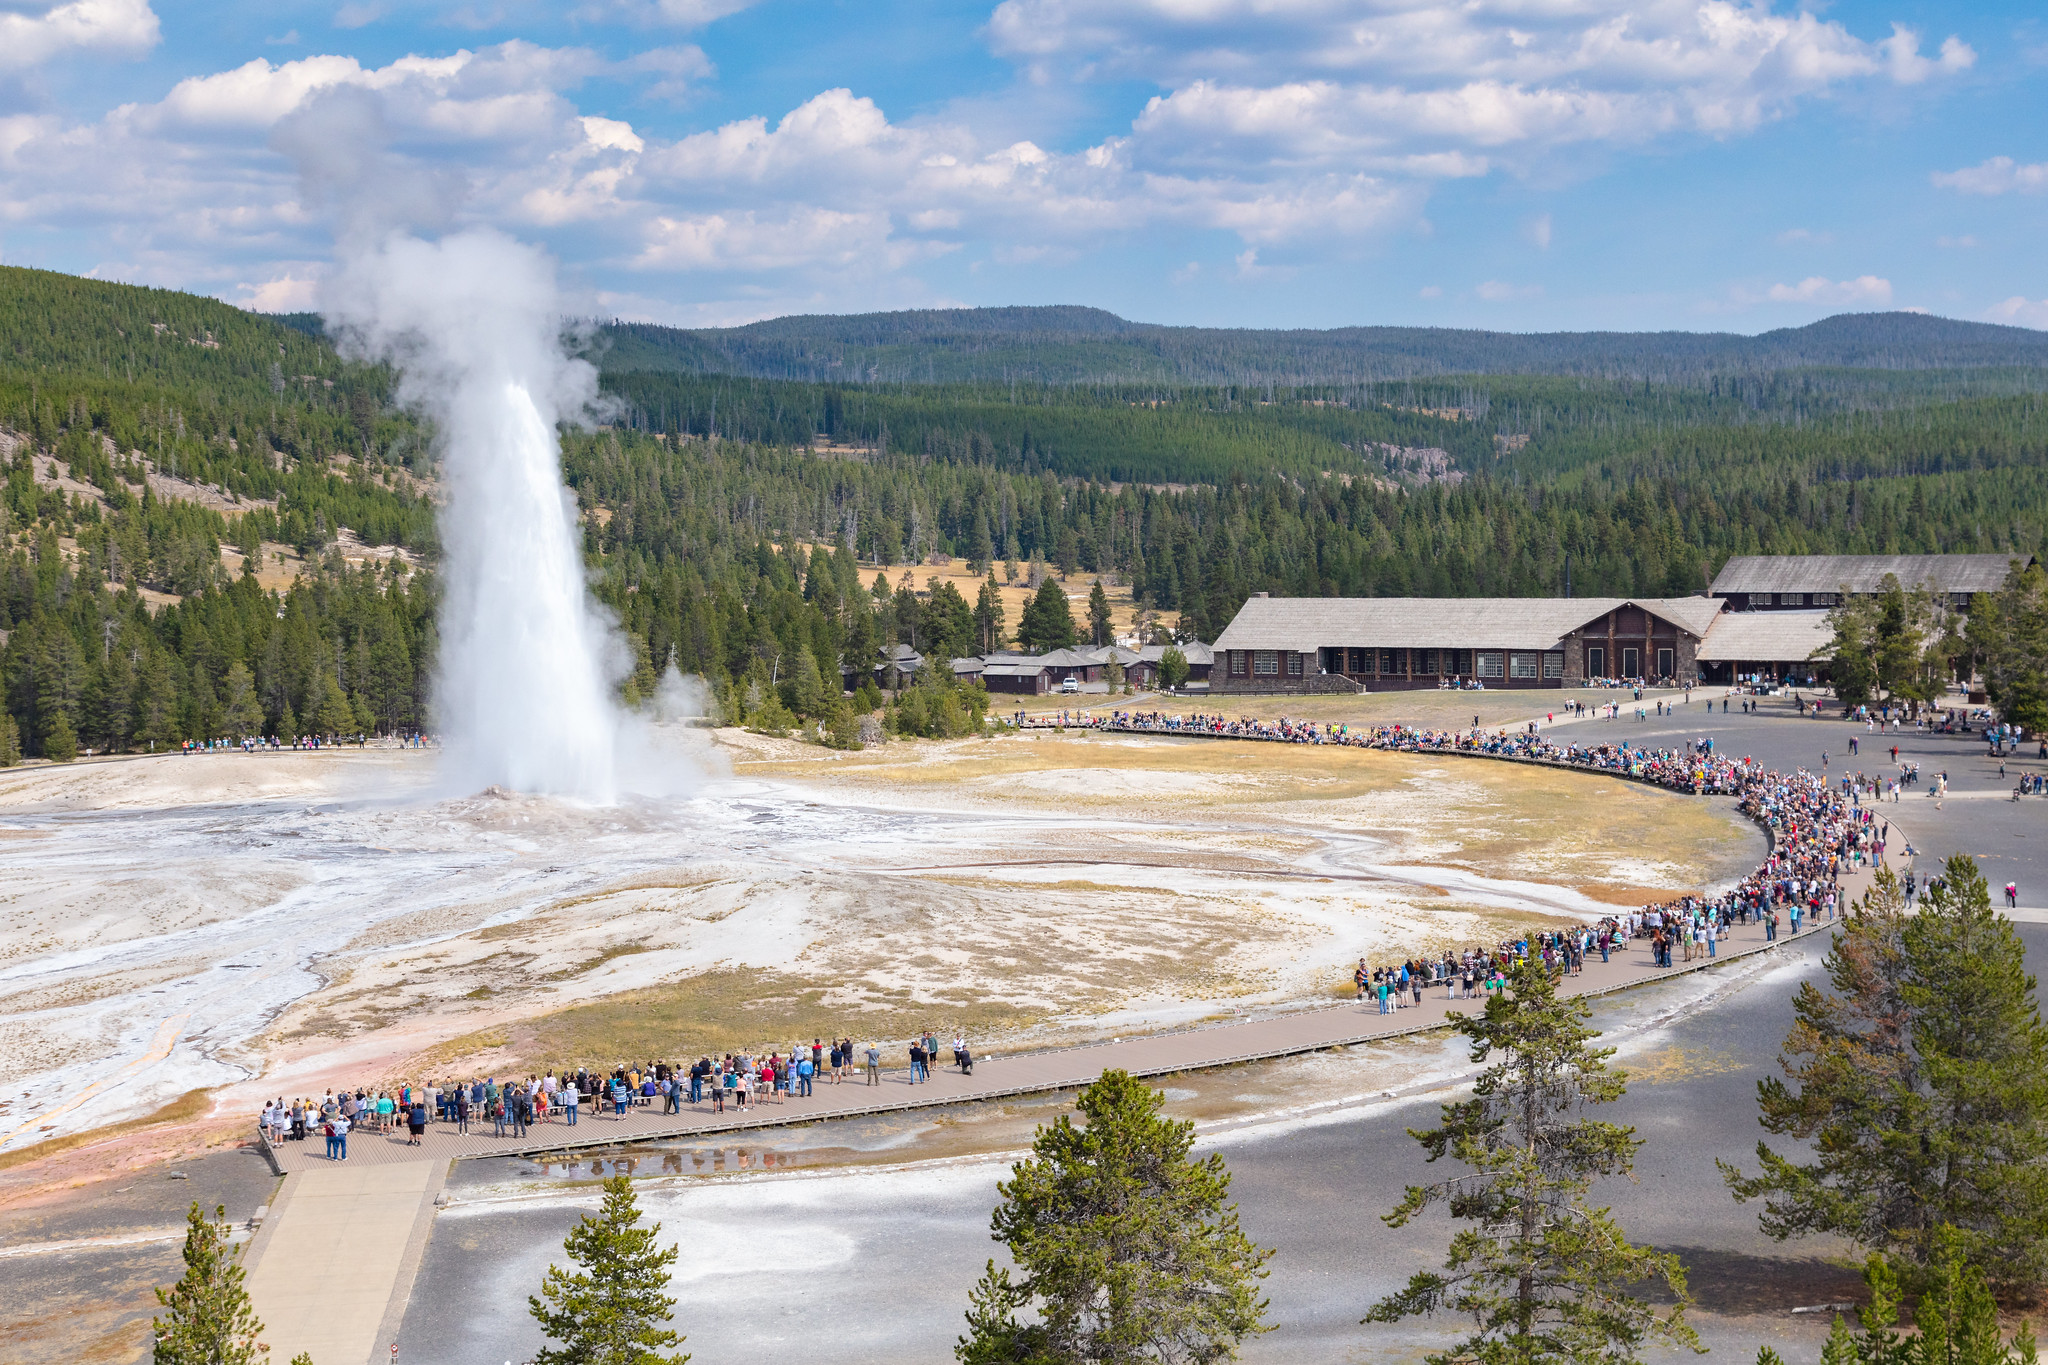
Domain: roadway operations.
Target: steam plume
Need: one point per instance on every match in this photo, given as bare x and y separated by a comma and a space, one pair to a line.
524, 695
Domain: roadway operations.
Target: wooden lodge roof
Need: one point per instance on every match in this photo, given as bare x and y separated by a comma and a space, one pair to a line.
1863, 573
1306, 623
1766, 637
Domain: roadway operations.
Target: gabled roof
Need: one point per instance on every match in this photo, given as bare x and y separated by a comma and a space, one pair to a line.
1694, 614
1304, 623
1194, 651
1766, 637
1864, 573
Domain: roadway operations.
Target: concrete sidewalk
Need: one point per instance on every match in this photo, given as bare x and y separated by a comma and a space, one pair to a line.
331, 1271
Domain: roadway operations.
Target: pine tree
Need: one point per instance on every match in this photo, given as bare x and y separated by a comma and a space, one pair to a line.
615, 1309
335, 715
1921, 1086
208, 1318
948, 624
287, 726
2008, 632
10, 741
1048, 623
988, 615
60, 745
1124, 1243
1543, 1276
1101, 625
243, 716
1956, 1318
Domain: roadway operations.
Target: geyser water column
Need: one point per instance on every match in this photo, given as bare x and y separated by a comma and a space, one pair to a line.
523, 695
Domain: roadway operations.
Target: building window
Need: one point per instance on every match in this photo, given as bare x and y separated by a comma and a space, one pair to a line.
1521, 665
1762, 599
1458, 661
1393, 662
1237, 664
1553, 664
1489, 664
1294, 664
1425, 663
1667, 663
1824, 599
1265, 663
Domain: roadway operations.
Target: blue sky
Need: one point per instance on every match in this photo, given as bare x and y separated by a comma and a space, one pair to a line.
1516, 164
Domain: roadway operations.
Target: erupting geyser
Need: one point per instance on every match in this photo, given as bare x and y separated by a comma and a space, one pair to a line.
527, 661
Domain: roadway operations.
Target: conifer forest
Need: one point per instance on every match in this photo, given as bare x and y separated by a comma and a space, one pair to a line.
161, 448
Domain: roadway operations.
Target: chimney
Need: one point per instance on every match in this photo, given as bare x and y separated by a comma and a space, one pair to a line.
1262, 594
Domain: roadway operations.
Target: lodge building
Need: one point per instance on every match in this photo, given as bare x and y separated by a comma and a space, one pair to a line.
1793, 582
1764, 618
1342, 644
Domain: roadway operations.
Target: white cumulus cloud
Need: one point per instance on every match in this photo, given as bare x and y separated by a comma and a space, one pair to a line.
1864, 289
1323, 80
2020, 311
36, 36
1999, 175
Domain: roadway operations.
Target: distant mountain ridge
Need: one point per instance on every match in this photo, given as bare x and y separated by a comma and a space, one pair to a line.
1064, 344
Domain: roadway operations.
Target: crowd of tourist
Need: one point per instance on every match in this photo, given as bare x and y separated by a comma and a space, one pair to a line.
513, 1107
1818, 827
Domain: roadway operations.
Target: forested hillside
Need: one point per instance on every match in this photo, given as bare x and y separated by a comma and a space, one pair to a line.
161, 449
1068, 345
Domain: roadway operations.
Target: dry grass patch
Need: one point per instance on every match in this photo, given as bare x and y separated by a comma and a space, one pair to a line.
193, 1104
737, 1011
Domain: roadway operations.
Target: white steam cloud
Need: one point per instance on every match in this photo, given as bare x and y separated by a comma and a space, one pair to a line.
472, 322
527, 662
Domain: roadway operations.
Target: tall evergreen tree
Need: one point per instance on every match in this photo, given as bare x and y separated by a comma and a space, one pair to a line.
335, 716
1123, 1243
61, 744
1920, 1084
241, 713
615, 1309
1047, 622
949, 629
2008, 634
988, 615
1543, 1276
1101, 625
208, 1319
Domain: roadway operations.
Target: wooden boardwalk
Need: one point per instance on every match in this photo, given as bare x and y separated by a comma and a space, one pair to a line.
997, 1077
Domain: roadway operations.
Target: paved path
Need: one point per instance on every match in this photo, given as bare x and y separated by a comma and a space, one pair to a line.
331, 1272
996, 1077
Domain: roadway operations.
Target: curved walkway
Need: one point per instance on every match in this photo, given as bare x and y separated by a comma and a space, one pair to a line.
1021, 1073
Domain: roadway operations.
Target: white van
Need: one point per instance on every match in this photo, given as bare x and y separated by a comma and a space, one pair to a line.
1071, 686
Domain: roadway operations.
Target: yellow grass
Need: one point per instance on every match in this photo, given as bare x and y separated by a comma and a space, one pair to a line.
190, 1105
740, 1011
1123, 610
1428, 708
